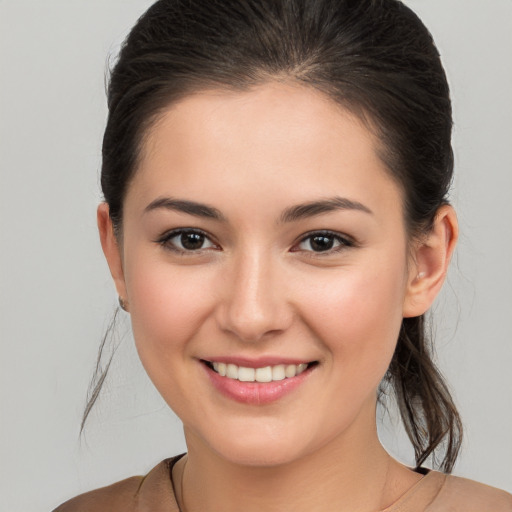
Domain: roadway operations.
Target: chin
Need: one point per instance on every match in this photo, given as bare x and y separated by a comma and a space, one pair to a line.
260, 447
260, 455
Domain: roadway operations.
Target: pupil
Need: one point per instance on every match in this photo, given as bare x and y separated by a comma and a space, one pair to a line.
322, 243
192, 241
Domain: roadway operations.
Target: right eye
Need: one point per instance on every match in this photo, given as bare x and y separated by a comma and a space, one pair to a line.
186, 241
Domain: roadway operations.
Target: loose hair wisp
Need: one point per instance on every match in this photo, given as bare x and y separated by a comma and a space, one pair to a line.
373, 57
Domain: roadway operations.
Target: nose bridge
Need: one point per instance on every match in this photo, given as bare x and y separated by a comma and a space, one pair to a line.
254, 303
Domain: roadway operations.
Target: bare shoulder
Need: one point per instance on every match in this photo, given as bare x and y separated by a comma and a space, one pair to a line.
121, 496
464, 495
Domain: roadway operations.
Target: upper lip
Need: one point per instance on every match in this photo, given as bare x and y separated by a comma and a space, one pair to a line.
259, 362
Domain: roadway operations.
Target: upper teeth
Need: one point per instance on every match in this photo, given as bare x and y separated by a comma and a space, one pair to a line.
265, 374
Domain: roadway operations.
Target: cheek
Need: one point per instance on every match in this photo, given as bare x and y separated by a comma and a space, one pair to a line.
168, 304
357, 313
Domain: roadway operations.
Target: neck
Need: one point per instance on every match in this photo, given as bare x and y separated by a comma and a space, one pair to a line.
350, 472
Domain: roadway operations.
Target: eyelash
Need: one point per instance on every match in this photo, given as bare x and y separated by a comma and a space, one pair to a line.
343, 241
165, 241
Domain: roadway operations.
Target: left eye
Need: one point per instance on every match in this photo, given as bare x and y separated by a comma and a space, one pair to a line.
187, 241
323, 242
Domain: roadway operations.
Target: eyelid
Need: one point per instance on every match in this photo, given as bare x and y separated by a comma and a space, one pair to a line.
346, 242
164, 239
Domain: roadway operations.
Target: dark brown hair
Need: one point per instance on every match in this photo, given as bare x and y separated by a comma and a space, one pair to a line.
375, 58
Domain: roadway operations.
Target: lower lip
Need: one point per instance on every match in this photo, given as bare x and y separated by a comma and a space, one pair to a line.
256, 393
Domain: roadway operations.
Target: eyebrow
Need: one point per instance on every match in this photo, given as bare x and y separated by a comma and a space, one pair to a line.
305, 210
291, 214
183, 206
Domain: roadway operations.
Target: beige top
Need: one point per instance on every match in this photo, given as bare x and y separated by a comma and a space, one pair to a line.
435, 492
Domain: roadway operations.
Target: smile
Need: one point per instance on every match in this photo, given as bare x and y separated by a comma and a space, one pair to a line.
265, 374
257, 382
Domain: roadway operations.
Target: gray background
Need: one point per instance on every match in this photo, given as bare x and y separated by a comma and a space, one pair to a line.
56, 297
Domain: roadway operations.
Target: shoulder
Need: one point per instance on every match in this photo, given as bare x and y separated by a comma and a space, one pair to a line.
151, 492
119, 496
464, 495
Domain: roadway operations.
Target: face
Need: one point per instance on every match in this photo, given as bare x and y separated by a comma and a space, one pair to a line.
263, 237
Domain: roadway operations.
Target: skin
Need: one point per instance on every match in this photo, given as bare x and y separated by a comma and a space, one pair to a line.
257, 288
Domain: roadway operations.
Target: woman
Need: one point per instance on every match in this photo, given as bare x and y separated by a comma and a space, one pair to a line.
276, 224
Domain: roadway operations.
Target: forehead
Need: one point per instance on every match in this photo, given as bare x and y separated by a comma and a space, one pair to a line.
273, 114
273, 137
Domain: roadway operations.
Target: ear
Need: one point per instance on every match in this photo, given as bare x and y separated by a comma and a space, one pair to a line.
429, 263
111, 250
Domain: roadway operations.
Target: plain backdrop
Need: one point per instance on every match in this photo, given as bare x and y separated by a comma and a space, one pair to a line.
56, 298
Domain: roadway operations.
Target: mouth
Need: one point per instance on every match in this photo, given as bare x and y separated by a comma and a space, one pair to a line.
258, 382
264, 374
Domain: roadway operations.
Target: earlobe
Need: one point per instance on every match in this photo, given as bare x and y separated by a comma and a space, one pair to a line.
429, 263
111, 250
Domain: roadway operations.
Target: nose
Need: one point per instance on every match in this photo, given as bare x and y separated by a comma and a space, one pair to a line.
254, 305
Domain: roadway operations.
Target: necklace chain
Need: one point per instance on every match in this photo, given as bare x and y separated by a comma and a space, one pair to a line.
180, 509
